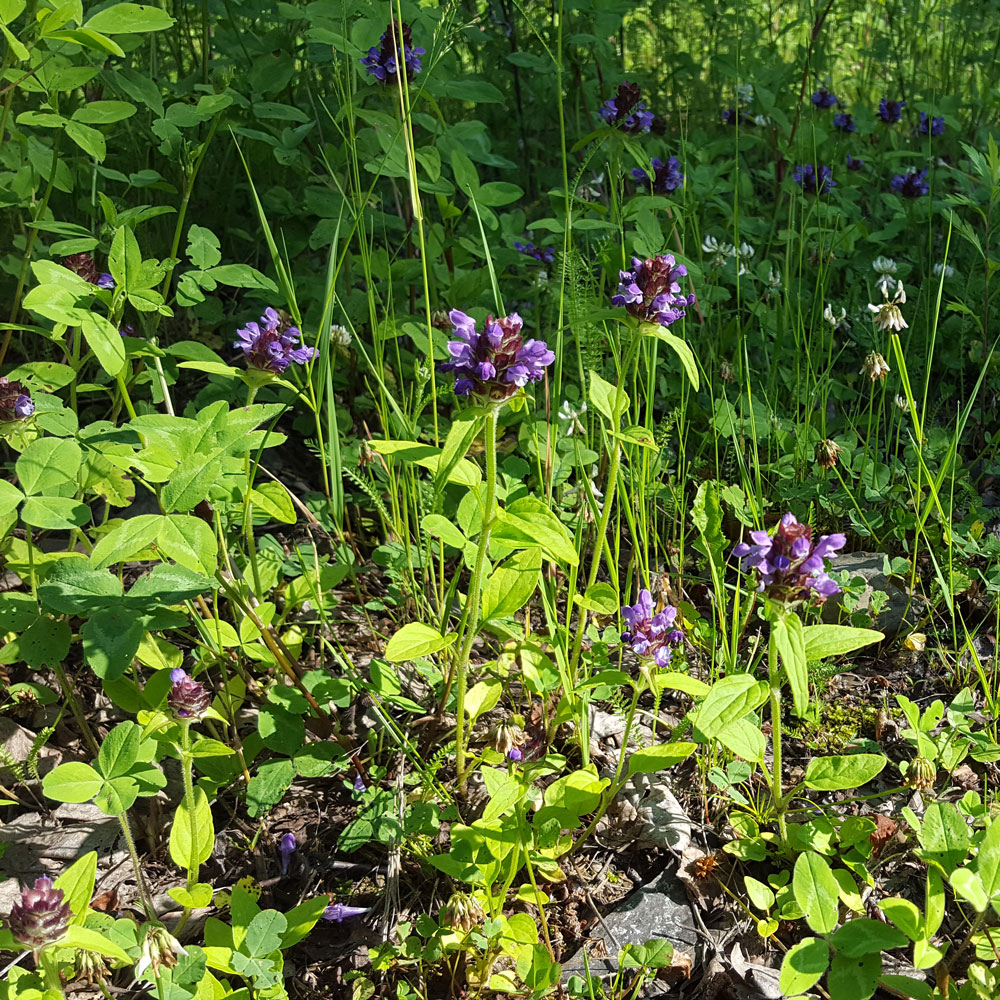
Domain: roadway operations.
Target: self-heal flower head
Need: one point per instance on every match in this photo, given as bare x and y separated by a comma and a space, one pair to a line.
496, 363
844, 122
382, 61
83, 265
932, 126
188, 698
822, 98
15, 401
546, 255
651, 292
891, 111
666, 177
272, 344
40, 917
286, 847
625, 111
911, 184
812, 181
652, 636
789, 564
339, 912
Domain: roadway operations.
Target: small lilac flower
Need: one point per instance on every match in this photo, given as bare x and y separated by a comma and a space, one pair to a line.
730, 116
650, 291
15, 401
891, 111
105, 281
935, 126
625, 111
853, 164
544, 254
359, 784
497, 362
381, 61
271, 344
843, 121
41, 916
188, 698
911, 184
126, 330
789, 564
285, 848
806, 177
822, 98
341, 911
651, 636
515, 755
666, 179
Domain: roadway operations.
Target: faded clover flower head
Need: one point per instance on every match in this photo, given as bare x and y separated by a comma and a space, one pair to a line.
666, 177
382, 59
843, 121
826, 453
853, 164
901, 402
188, 698
272, 344
339, 912
875, 367
774, 279
812, 181
911, 184
822, 98
546, 255
496, 363
626, 111
650, 291
884, 266
789, 564
887, 313
833, 318
462, 912
41, 916
652, 636
719, 249
931, 126
15, 401
159, 950
891, 111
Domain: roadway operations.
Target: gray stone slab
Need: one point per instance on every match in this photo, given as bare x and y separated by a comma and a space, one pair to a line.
901, 610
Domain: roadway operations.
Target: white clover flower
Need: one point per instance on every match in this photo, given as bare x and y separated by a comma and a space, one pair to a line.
593, 189
887, 314
720, 249
340, 336
832, 318
571, 416
761, 120
901, 402
884, 266
744, 93
774, 280
746, 253
875, 367
542, 279
949, 271
159, 950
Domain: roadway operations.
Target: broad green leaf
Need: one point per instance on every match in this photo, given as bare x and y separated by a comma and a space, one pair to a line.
907, 986
988, 859
829, 774
786, 633
203, 247
45, 642
120, 750
189, 541
601, 598
944, 835
760, 895
680, 347
199, 896
674, 681
969, 886
512, 584
72, 782
301, 919
273, 499
854, 978
864, 936
91, 940
104, 112
482, 697
659, 758
612, 402
125, 541
49, 465
10, 497
803, 965
727, 700
77, 882
72, 587
416, 639
104, 340
706, 515
835, 640
192, 835
745, 739
528, 522
264, 933
129, 18
90, 140
55, 513
125, 259
816, 891
905, 915
111, 638
440, 527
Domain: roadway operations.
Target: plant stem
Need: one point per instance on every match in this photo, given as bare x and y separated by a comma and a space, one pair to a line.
187, 763
144, 896
774, 682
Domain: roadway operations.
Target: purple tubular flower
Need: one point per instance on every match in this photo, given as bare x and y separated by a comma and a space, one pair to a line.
911, 184
650, 291
359, 784
285, 848
515, 755
666, 179
105, 280
844, 122
381, 61
626, 111
41, 916
271, 344
15, 401
188, 698
933, 126
341, 911
853, 164
651, 636
822, 98
545, 254
790, 565
813, 182
890, 111
496, 363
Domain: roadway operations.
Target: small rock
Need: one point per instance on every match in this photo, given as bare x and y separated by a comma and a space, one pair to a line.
901, 609
647, 814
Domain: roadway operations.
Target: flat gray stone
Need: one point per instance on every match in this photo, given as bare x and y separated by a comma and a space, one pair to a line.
17, 741
901, 610
656, 911
41, 846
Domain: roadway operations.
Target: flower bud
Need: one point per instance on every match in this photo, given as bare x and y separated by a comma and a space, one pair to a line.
188, 698
462, 912
920, 774
41, 917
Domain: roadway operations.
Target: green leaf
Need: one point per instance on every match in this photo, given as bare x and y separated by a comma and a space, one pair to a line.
760, 895
816, 891
529, 522
125, 541
835, 640
727, 700
130, 19
203, 247
969, 886
601, 598
483, 697
659, 758
416, 639
189, 541
944, 835
907, 986
91, 940
49, 465
117, 795
77, 882
104, 112
830, 774
72, 782
611, 401
440, 527
199, 896
988, 859
301, 919
854, 978
55, 513
71, 588
803, 965
111, 639
90, 140
45, 642
905, 915
120, 750
680, 347
745, 739
10, 497
105, 341
706, 515
264, 933
192, 835
786, 633
274, 500
511, 584
125, 259
864, 936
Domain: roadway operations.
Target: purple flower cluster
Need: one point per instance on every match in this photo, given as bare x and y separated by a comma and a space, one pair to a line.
911, 184
546, 255
822, 98
666, 179
496, 363
15, 401
789, 564
650, 291
730, 116
813, 182
626, 111
853, 164
271, 344
843, 121
891, 111
41, 916
649, 635
188, 698
932, 126
382, 59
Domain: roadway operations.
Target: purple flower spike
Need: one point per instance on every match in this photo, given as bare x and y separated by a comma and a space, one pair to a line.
15, 401
822, 98
544, 254
666, 179
41, 916
812, 181
285, 848
933, 126
911, 184
790, 566
382, 59
625, 111
270, 345
188, 699
844, 122
651, 292
496, 363
341, 911
891, 111
651, 636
